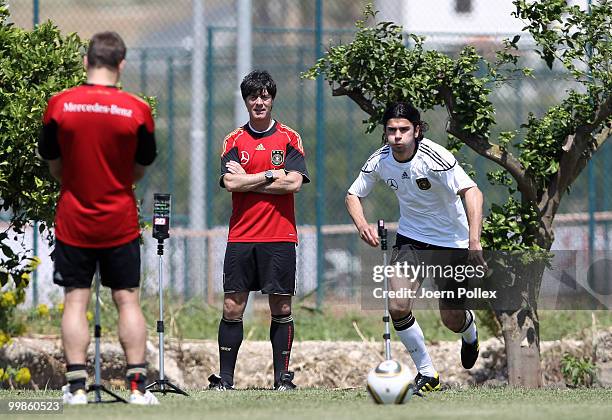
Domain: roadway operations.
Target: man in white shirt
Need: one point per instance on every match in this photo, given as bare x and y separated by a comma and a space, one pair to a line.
429, 185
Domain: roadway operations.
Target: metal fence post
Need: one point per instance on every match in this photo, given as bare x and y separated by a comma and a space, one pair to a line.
210, 135
170, 93
353, 245
186, 288
300, 112
320, 157
210, 128
35, 12
592, 205
143, 71
592, 192
35, 21
607, 158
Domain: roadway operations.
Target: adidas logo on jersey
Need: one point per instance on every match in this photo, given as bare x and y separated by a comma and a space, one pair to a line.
260, 147
405, 175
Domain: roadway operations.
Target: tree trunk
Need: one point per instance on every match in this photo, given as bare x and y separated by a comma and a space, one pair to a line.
518, 317
521, 334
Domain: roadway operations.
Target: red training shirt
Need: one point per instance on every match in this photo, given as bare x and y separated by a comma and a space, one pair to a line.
99, 132
259, 217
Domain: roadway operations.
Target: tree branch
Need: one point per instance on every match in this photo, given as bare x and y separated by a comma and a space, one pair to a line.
493, 152
583, 132
357, 96
600, 139
574, 160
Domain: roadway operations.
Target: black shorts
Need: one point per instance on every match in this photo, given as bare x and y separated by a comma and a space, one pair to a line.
428, 255
265, 266
119, 266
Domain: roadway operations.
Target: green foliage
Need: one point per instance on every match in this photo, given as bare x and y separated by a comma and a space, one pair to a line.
382, 65
33, 66
13, 293
379, 65
577, 371
577, 39
507, 226
541, 149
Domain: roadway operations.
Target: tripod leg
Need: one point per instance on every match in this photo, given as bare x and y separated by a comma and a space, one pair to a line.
97, 388
97, 335
162, 384
176, 389
165, 387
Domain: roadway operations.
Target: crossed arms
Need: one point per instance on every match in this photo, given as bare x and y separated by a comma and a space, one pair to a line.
237, 180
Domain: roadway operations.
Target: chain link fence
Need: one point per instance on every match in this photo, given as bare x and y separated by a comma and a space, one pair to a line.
284, 37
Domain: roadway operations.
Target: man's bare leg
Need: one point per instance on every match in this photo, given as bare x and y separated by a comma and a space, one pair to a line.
131, 325
132, 336
75, 339
75, 328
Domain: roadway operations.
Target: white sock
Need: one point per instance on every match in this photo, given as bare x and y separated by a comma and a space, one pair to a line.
469, 329
414, 341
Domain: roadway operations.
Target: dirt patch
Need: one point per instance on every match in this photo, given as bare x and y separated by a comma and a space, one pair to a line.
188, 363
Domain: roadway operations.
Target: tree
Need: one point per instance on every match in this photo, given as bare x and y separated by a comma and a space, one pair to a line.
33, 66
540, 160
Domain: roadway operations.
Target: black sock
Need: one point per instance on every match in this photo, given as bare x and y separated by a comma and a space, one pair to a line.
281, 336
76, 375
230, 338
136, 377
403, 323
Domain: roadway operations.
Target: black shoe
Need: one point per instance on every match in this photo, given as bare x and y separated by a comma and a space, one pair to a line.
424, 384
285, 383
215, 382
469, 353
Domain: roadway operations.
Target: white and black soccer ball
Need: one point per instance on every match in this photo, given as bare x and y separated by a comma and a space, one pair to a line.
390, 383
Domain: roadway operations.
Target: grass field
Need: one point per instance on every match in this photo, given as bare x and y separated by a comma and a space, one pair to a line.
474, 403
196, 320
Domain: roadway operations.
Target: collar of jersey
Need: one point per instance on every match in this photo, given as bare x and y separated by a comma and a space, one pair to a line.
93, 84
416, 149
259, 135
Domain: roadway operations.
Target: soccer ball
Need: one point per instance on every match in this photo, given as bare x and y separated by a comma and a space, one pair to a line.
390, 383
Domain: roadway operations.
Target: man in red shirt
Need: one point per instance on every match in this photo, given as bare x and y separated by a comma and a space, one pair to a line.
262, 165
97, 140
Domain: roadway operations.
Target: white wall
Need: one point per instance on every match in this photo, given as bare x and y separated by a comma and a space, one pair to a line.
435, 16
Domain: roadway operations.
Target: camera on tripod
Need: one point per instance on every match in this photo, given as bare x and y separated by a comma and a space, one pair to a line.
161, 216
161, 231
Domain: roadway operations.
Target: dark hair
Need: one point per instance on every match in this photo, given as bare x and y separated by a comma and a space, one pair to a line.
404, 110
106, 49
257, 81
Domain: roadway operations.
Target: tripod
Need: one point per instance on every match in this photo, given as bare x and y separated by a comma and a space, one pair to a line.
97, 388
382, 233
162, 384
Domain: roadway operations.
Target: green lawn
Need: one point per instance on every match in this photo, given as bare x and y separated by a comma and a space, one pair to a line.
474, 403
196, 320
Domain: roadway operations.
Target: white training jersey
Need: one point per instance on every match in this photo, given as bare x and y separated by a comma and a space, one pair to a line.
426, 187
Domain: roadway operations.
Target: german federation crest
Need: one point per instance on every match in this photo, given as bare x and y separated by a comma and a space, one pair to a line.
278, 157
423, 183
